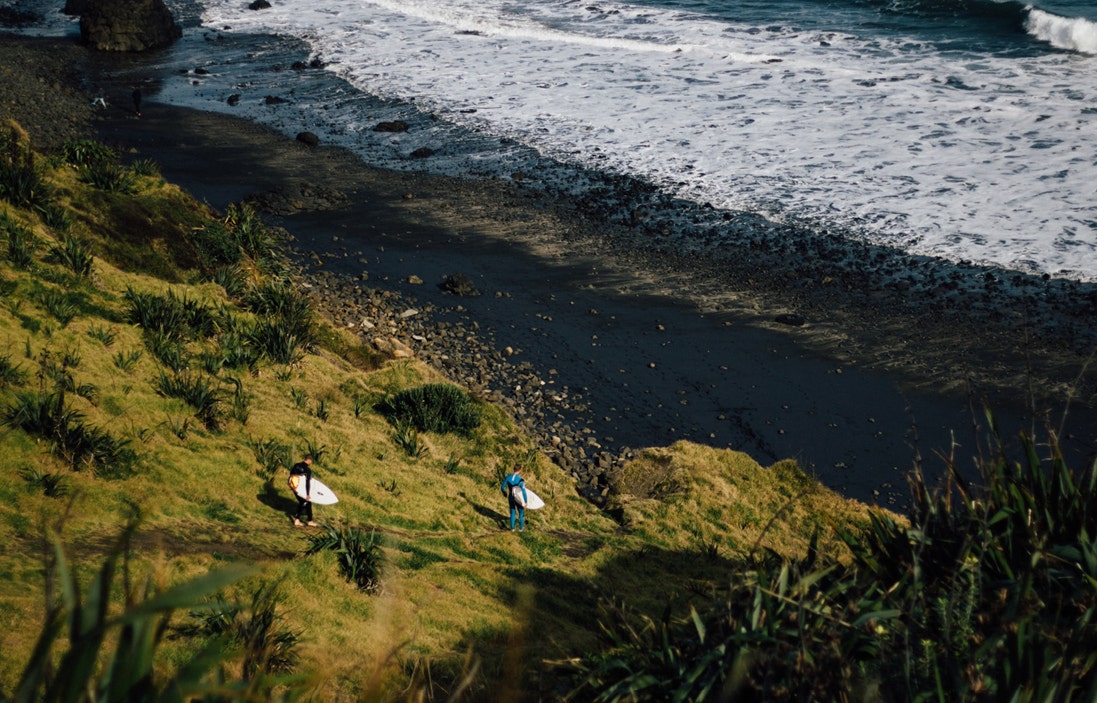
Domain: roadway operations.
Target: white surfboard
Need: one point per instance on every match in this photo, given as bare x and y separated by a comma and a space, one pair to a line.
321, 494
533, 501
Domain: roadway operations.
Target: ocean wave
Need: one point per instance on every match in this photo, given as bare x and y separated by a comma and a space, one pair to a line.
1069, 33
473, 19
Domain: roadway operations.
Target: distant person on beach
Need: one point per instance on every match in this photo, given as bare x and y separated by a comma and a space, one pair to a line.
302, 471
514, 488
137, 100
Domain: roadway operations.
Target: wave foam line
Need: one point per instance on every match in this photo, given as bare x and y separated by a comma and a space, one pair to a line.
1070, 33
495, 27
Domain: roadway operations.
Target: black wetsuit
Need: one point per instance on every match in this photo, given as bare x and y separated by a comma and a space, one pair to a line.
304, 507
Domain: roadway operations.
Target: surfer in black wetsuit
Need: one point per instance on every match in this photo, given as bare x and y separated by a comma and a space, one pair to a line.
302, 471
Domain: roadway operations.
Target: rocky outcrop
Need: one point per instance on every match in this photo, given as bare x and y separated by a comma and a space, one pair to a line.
76, 7
128, 25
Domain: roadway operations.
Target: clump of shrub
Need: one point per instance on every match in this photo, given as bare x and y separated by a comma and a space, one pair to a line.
433, 407
11, 373
47, 416
197, 391
98, 166
358, 554
240, 237
73, 254
20, 242
180, 318
87, 651
50, 484
256, 632
21, 180
271, 454
87, 152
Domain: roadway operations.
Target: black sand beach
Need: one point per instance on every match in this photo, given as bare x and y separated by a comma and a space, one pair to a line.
622, 347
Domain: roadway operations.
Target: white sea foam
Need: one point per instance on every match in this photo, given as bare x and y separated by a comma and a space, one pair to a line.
1070, 33
964, 156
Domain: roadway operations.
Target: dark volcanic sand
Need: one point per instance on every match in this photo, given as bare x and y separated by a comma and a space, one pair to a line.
640, 350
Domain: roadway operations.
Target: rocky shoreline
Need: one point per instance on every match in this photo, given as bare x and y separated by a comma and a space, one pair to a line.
596, 340
472, 358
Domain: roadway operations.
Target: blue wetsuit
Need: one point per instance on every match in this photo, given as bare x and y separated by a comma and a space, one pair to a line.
516, 508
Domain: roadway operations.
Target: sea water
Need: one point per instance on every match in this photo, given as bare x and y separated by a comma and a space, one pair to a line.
958, 129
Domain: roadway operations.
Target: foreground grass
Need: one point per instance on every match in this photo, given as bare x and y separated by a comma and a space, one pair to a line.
463, 604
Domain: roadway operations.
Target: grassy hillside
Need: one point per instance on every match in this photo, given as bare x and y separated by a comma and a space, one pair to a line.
161, 366
98, 434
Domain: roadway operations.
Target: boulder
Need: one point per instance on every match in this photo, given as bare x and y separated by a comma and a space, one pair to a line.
459, 284
791, 319
423, 152
128, 25
308, 138
393, 347
395, 126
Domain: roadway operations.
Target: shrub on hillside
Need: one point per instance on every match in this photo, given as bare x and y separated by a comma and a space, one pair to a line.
171, 316
20, 242
21, 181
990, 593
255, 631
46, 415
197, 391
358, 554
73, 254
433, 407
239, 237
87, 152
111, 178
11, 374
114, 656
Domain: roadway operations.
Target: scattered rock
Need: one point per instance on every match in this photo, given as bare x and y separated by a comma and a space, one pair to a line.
415, 280
293, 198
233, 99
423, 152
459, 284
259, 5
393, 347
274, 100
308, 139
395, 126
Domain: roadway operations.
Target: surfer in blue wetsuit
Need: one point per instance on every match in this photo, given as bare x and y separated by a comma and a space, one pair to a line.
302, 471
514, 488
